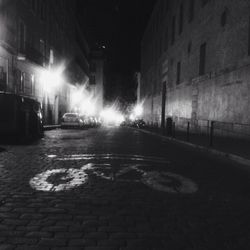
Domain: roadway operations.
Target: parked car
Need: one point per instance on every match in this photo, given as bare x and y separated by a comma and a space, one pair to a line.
86, 121
90, 121
71, 120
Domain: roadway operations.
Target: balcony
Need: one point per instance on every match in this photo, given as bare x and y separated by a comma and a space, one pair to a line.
32, 54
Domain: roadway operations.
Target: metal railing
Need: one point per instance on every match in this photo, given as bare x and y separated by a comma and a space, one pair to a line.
206, 132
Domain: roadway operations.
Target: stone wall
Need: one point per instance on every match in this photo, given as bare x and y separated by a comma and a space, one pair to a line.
222, 91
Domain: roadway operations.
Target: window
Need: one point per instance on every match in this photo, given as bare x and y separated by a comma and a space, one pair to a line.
173, 30
42, 10
189, 47
92, 80
191, 10
163, 104
223, 19
51, 56
158, 20
33, 5
166, 5
28, 84
93, 67
162, 42
21, 37
3, 79
178, 73
249, 36
171, 62
166, 40
32, 78
22, 81
160, 46
42, 51
181, 19
202, 64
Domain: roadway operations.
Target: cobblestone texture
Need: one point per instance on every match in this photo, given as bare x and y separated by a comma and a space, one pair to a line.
104, 214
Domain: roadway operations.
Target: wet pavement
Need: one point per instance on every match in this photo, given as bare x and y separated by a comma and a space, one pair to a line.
118, 188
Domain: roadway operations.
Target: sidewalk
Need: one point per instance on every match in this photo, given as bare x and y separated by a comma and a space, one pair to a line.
50, 127
232, 148
22, 139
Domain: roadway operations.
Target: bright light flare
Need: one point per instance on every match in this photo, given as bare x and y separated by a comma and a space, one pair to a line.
84, 100
51, 79
138, 110
88, 107
112, 117
132, 117
76, 97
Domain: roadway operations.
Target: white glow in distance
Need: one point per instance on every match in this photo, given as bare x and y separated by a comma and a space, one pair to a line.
112, 116
84, 100
52, 79
138, 110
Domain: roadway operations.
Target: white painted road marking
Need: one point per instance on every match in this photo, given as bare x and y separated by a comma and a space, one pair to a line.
71, 177
66, 179
169, 182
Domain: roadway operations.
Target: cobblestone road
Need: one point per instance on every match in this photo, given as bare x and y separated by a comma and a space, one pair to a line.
102, 214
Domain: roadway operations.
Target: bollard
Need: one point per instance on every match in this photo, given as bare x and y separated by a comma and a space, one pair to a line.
163, 130
169, 126
188, 131
173, 130
211, 136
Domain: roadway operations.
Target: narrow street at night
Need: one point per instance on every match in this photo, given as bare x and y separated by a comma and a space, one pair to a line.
124, 125
119, 188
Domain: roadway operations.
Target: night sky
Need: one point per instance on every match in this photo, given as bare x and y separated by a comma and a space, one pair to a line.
119, 25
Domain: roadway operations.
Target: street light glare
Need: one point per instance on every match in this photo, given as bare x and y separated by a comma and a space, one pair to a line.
51, 79
84, 100
111, 116
88, 106
138, 110
76, 97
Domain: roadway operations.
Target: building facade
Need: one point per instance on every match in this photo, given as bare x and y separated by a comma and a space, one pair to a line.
43, 53
195, 62
97, 76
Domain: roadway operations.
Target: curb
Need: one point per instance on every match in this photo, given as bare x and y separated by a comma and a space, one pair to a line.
232, 157
50, 127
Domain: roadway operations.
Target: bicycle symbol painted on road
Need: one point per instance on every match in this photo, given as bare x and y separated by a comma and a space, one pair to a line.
111, 167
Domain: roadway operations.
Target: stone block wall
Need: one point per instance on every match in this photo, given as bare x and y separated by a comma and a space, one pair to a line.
222, 91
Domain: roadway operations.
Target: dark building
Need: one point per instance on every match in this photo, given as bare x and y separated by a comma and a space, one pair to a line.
43, 53
97, 76
195, 59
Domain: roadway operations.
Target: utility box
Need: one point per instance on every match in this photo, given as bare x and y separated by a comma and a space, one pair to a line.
20, 116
